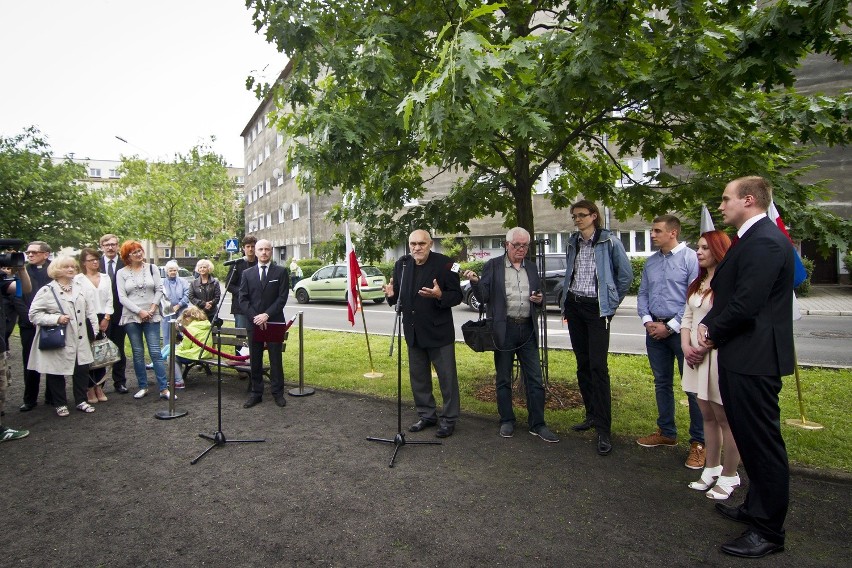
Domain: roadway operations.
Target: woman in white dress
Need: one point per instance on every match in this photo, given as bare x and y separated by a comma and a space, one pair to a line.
701, 375
100, 287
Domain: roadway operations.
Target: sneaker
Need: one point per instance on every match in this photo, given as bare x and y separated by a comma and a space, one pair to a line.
507, 429
164, 394
140, 393
657, 439
695, 460
149, 365
7, 434
545, 434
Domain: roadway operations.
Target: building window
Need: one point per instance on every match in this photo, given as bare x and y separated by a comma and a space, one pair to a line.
295, 211
167, 253
269, 219
187, 253
240, 180
260, 157
281, 214
268, 184
95, 172
639, 241
113, 173
267, 150
279, 139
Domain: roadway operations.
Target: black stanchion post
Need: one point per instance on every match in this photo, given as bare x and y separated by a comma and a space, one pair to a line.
171, 412
302, 390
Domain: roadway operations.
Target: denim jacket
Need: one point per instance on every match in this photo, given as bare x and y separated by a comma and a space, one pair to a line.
613, 268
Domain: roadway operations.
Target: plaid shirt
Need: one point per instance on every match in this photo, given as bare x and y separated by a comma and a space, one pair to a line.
584, 282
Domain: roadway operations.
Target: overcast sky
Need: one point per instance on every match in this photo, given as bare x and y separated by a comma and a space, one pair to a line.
164, 75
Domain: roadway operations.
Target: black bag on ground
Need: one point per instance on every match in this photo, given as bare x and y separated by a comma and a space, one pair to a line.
479, 334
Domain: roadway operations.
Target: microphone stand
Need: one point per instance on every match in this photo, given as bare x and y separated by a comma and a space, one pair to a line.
218, 437
399, 441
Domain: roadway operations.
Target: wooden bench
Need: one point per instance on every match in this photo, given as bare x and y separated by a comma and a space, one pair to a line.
224, 340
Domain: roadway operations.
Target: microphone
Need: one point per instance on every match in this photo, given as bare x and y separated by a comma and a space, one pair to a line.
234, 261
405, 258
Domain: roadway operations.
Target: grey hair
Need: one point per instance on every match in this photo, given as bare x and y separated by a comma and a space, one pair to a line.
172, 264
510, 236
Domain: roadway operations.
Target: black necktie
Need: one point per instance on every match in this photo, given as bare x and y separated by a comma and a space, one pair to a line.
263, 275
111, 271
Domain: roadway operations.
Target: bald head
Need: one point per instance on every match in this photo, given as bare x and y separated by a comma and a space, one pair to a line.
263, 249
419, 243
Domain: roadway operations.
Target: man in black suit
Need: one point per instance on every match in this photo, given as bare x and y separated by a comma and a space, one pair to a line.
751, 324
429, 289
263, 294
511, 289
110, 264
37, 253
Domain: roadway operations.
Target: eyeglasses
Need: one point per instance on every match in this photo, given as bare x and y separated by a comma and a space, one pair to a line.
35, 252
520, 245
109, 245
580, 216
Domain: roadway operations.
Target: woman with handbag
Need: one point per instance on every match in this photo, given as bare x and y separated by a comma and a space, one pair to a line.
140, 290
100, 287
66, 304
205, 291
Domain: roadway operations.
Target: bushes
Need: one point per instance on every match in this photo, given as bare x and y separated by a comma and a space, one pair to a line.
805, 287
638, 264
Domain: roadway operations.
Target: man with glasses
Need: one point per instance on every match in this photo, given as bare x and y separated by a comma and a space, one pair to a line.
37, 262
597, 278
426, 285
109, 265
511, 289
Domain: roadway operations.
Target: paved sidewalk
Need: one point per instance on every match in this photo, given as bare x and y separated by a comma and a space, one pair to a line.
823, 300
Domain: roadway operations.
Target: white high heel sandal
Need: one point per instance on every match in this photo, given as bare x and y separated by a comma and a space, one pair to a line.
725, 485
708, 478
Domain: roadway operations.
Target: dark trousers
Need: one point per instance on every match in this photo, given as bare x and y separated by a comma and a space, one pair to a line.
276, 367
520, 340
32, 379
96, 375
751, 405
590, 341
117, 334
80, 381
420, 361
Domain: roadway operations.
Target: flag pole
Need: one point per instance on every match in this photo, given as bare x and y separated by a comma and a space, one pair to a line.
373, 374
801, 422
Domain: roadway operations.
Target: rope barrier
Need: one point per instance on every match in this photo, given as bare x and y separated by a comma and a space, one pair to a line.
210, 349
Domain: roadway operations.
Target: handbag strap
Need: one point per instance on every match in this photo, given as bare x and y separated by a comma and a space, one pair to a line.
58, 303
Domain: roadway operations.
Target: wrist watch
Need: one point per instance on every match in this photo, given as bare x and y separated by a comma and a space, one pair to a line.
671, 331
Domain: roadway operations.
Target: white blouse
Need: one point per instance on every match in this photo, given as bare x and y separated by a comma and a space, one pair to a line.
101, 296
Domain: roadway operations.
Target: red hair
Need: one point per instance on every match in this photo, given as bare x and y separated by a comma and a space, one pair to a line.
718, 242
127, 248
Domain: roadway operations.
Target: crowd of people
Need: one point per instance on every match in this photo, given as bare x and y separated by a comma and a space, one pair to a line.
722, 312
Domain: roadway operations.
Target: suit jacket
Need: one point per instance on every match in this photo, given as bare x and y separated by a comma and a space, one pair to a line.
427, 322
116, 303
751, 321
270, 298
491, 290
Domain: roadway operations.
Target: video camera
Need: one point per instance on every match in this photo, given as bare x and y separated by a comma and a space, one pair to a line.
11, 259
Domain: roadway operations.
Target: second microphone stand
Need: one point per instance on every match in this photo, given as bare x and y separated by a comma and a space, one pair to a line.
399, 440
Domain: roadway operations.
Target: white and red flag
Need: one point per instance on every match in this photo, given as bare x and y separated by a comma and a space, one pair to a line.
353, 271
800, 273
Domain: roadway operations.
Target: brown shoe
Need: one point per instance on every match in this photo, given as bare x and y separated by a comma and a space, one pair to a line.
695, 460
91, 397
657, 439
99, 392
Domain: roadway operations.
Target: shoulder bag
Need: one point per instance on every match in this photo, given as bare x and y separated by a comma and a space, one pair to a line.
52, 336
479, 334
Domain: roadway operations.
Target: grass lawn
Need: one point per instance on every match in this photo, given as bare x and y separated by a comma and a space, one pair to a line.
338, 360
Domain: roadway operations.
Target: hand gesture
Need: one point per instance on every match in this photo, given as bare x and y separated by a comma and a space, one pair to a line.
388, 289
433, 292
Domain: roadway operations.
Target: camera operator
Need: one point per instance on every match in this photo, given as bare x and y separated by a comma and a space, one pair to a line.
16, 286
37, 262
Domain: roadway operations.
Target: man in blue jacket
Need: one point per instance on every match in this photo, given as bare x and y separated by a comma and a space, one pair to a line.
597, 278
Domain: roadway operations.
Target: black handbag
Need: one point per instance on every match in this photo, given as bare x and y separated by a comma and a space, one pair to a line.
479, 334
52, 336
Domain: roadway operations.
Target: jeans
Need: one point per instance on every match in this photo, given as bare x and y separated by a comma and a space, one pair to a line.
151, 331
661, 355
520, 340
240, 321
590, 341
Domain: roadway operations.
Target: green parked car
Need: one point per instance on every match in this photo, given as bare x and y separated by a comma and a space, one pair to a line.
329, 283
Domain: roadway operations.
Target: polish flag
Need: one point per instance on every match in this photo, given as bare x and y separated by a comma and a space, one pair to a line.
353, 271
775, 217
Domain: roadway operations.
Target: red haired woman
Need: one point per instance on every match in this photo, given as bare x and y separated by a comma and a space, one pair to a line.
701, 375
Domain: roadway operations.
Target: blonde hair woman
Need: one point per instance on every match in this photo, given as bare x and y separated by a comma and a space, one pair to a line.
62, 302
205, 291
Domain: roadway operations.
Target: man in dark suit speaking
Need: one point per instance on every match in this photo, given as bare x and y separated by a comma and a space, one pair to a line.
751, 324
426, 285
263, 294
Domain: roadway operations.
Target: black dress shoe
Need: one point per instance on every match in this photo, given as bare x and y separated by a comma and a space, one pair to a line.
604, 445
121, 389
420, 425
27, 406
280, 400
445, 431
733, 513
584, 425
251, 401
751, 545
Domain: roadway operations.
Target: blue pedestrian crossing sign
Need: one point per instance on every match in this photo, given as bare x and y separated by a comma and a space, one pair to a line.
232, 245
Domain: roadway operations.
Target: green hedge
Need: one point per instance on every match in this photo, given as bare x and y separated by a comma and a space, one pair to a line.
638, 264
805, 287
